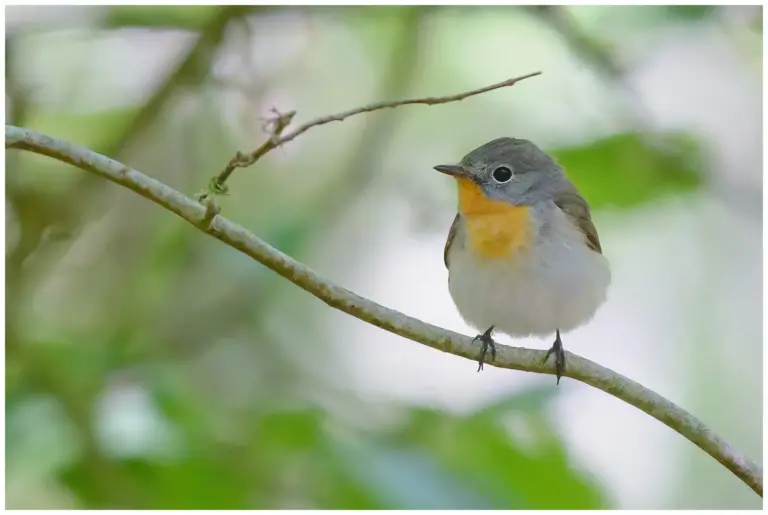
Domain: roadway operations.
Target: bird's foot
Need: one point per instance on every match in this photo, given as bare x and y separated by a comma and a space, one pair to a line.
557, 350
488, 344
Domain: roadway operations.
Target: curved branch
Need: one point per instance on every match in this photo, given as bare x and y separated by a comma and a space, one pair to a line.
515, 358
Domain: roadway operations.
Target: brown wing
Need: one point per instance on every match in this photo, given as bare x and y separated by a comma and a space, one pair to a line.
451, 235
577, 211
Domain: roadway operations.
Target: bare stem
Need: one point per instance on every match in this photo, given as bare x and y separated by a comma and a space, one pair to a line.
281, 121
516, 358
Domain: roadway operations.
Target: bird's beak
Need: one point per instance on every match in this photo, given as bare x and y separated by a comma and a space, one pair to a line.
454, 170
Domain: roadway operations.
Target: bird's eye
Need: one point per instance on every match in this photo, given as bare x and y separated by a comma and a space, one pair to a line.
502, 174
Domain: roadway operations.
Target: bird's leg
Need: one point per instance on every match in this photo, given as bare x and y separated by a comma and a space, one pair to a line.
488, 343
557, 349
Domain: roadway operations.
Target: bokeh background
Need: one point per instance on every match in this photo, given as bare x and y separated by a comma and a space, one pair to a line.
150, 366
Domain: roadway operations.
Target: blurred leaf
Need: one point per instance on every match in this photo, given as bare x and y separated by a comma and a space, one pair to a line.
289, 430
596, 17
405, 479
689, 12
198, 482
179, 403
500, 465
163, 16
44, 437
66, 367
623, 171
282, 457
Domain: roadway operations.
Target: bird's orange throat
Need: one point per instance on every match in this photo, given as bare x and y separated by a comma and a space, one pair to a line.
495, 229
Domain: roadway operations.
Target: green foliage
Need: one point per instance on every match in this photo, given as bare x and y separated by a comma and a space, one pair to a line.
304, 458
624, 170
689, 12
162, 16
508, 471
595, 18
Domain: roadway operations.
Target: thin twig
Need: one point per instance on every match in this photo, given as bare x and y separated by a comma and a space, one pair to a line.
279, 122
516, 358
275, 139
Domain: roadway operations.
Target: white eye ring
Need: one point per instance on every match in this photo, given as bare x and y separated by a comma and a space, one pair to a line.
502, 174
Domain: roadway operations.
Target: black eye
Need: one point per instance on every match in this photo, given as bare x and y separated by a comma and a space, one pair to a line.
502, 174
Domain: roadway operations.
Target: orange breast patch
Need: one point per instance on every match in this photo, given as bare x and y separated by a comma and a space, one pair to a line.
495, 229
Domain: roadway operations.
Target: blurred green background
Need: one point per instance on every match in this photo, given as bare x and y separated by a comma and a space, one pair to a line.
150, 366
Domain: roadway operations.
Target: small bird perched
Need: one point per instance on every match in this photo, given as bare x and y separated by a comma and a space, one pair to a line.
523, 255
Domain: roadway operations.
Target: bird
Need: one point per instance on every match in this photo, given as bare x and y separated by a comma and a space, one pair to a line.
523, 254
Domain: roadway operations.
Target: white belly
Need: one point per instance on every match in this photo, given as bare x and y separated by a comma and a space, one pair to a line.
558, 284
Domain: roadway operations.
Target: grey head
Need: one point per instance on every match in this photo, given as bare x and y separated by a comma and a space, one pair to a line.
511, 169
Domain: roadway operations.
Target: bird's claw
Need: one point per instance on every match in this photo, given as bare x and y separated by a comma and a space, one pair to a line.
557, 350
488, 344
